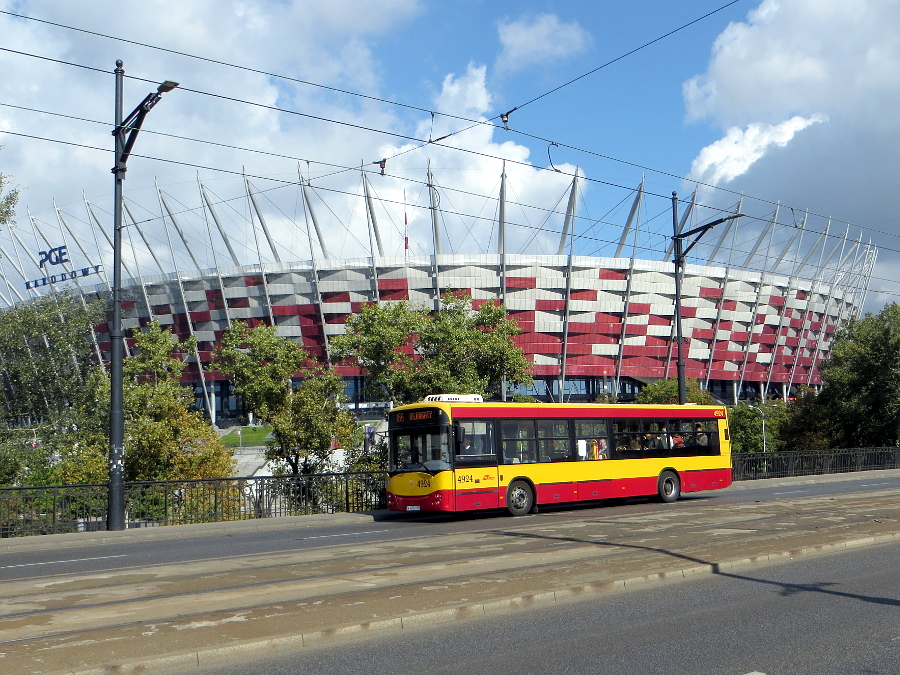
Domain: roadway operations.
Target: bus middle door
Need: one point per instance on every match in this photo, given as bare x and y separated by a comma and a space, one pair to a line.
476, 471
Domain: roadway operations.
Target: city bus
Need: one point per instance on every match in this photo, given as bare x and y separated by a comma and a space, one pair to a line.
456, 453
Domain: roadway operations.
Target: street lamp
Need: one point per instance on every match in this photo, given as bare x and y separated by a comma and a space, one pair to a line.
125, 133
678, 240
762, 414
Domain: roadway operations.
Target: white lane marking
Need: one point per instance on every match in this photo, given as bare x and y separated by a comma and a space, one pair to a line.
346, 534
756, 672
788, 492
61, 562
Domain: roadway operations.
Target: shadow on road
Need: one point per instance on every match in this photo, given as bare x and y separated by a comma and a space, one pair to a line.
784, 589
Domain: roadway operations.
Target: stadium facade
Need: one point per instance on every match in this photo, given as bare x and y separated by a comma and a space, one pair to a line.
592, 325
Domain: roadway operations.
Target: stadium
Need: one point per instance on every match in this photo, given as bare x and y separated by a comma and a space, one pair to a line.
595, 297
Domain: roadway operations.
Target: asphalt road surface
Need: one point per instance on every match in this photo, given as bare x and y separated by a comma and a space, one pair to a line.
170, 599
384, 526
828, 615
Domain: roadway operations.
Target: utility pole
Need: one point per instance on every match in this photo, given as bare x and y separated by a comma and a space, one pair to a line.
680, 254
125, 133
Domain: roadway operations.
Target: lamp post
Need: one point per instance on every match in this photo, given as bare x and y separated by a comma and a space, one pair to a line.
762, 413
680, 253
125, 133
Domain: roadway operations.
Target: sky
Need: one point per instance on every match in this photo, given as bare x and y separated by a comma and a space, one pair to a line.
790, 103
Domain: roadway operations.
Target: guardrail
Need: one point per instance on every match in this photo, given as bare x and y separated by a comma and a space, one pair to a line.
757, 465
77, 508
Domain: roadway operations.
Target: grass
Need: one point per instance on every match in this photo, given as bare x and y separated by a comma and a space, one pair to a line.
252, 436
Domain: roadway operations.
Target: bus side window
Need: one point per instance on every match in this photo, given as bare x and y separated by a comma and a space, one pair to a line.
628, 438
475, 442
706, 434
553, 441
593, 437
518, 441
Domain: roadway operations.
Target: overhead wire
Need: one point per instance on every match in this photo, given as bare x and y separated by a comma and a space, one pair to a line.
423, 142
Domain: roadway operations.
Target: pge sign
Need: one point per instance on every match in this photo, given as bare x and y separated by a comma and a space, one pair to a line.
59, 256
55, 256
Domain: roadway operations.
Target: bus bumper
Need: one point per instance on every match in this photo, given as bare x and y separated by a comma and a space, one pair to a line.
439, 500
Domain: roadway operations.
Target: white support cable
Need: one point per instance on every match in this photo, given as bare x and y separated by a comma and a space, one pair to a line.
824, 319
205, 201
17, 269
635, 214
65, 225
781, 341
570, 210
315, 220
373, 221
140, 276
723, 286
184, 304
635, 207
570, 218
215, 256
54, 294
759, 289
262, 221
262, 270
69, 269
92, 218
21, 267
136, 225
165, 204
315, 283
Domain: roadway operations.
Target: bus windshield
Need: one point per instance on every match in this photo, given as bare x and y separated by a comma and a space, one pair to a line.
420, 449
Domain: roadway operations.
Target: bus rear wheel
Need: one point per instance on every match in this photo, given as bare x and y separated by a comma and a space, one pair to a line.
669, 486
519, 498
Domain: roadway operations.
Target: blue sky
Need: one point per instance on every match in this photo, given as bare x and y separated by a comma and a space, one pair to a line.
788, 101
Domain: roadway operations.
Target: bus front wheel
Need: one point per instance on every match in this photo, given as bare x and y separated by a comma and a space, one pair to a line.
669, 486
519, 498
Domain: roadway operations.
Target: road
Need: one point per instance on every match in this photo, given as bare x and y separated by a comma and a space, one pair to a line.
231, 540
182, 596
825, 615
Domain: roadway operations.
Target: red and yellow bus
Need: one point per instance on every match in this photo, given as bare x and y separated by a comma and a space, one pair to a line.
457, 453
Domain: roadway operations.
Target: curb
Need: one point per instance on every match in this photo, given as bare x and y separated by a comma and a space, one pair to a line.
212, 656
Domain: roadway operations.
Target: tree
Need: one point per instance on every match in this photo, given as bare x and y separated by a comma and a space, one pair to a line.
307, 418
860, 400
45, 354
745, 424
164, 439
666, 391
409, 353
805, 426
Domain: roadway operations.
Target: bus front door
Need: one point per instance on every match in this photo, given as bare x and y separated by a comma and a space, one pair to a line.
477, 488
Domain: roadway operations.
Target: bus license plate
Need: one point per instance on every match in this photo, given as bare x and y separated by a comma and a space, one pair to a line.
412, 508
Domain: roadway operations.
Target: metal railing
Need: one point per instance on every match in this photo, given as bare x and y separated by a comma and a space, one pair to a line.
757, 465
78, 508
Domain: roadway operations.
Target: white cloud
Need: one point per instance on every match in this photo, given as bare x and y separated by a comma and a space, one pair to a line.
731, 156
332, 43
540, 39
467, 95
788, 63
